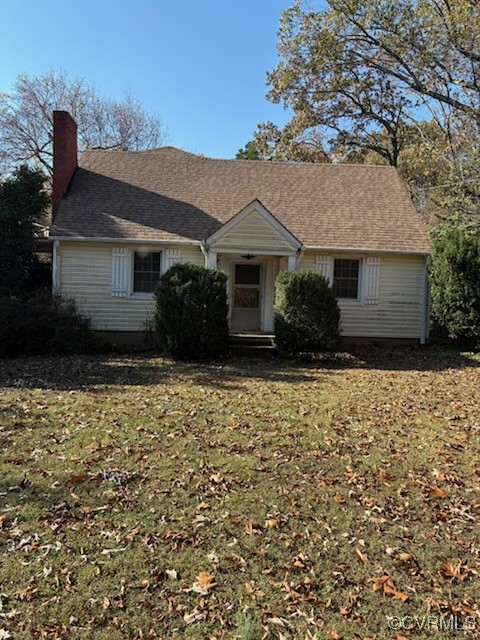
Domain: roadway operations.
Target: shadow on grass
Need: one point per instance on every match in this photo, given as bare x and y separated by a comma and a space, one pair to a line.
99, 373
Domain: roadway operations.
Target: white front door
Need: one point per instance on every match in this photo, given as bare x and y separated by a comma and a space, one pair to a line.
247, 297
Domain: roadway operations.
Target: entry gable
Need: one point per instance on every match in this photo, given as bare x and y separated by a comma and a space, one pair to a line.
254, 228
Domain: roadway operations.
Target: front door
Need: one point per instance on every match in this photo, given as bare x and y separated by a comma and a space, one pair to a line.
247, 297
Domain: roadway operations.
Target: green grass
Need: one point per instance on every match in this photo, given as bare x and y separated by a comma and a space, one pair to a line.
292, 484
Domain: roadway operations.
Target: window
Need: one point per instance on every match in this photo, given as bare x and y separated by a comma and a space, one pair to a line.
247, 286
146, 271
345, 278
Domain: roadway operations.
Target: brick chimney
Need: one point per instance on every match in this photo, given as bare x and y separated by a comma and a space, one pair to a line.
65, 157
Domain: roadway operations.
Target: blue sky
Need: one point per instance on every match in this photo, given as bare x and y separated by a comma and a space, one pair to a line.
200, 65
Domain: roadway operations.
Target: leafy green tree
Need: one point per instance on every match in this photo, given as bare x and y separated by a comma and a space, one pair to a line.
455, 277
458, 196
359, 73
23, 202
290, 144
249, 152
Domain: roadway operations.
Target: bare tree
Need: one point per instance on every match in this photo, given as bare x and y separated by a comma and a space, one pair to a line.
26, 120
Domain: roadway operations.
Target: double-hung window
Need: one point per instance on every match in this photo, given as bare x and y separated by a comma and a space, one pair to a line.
346, 278
146, 271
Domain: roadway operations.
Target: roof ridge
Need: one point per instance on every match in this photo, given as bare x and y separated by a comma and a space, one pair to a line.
197, 156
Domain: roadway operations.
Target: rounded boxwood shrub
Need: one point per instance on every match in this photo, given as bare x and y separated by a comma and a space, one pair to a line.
44, 325
307, 315
192, 315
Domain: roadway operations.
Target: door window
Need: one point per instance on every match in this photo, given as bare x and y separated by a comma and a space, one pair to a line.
247, 286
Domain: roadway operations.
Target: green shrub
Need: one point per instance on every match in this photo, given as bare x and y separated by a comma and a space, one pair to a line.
191, 316
307, 315
23, 202
455, 280
43, 325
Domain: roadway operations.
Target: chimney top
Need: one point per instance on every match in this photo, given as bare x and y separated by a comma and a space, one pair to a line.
65, 157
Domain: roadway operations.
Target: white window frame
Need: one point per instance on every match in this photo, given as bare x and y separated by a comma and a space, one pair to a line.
123, 265
359, 300
143, 295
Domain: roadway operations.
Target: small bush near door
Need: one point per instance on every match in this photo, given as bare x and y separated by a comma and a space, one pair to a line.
192, 314
307, 315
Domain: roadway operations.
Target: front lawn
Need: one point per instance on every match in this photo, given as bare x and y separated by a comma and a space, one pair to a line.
140, 498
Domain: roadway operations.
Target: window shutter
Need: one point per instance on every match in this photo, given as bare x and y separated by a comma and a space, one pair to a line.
173, 256
372, 280
323, 264
120, 278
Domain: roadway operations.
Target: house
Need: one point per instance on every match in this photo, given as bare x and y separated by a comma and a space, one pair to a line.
122, 218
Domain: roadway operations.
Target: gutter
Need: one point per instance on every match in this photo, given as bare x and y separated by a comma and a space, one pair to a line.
202, 243
367, 250
188, 243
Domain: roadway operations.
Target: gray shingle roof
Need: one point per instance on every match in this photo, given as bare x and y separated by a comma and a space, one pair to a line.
168, 194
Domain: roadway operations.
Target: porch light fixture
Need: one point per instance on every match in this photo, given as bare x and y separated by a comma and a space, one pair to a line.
248, 256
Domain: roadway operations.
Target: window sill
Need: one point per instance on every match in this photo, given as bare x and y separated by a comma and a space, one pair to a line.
349, 301
141, 296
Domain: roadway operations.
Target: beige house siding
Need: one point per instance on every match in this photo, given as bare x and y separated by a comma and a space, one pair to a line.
252, 233
86, 276
398, 313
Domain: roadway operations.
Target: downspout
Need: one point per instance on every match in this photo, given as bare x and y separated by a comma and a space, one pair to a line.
300, 254
210, 256
424, 332
56, 268
204, 250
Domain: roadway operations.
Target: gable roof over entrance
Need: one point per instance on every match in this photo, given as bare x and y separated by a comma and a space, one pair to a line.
253, 229
170, 195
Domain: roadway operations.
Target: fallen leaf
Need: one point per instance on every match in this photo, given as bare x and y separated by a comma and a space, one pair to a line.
204, 582
397, 595
278, 622
386, 585
436, 492
378, 583
172, 574
271, 524
213, 557
250, 528
438, 475
252, 591
457, 571
105, 602
190, 618
75, 479
360, 556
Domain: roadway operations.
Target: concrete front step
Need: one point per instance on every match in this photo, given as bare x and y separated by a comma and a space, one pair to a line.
253, 345
257, 339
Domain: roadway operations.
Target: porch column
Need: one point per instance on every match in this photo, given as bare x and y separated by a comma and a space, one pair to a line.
211, 260
292, 263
